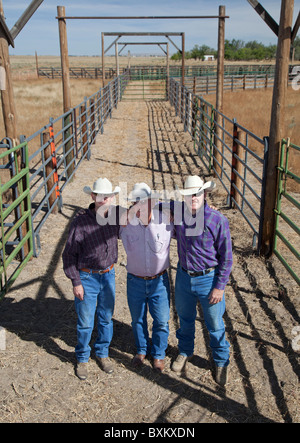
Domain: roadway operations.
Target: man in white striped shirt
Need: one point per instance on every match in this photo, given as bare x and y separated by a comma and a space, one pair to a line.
146, 240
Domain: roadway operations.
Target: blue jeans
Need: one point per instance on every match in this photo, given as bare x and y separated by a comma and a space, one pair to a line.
154, 294
99, 298
188, 290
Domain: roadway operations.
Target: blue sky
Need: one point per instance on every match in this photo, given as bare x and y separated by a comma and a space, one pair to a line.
84, 36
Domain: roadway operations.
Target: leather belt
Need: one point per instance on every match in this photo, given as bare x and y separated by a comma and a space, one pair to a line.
198, 273
151, 278
90, 271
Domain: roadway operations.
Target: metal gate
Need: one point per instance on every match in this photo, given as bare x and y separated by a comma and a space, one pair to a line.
287, 230
145, 84
16, 245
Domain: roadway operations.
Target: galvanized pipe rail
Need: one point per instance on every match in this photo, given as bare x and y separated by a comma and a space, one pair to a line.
59, 147
287, 228
243, 184
242, 170
175, 71
16, 249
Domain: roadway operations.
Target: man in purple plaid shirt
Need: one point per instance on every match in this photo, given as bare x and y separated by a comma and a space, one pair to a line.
88, 261
205, 262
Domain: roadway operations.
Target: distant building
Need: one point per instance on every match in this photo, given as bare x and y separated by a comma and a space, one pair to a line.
208, 58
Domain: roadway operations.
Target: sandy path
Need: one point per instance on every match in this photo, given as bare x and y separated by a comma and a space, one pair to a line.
146, 142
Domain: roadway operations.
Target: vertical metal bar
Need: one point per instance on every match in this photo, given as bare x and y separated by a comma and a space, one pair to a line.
263, 193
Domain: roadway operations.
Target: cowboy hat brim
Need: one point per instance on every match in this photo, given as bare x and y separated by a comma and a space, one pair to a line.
89, 191
153, 195
208, 186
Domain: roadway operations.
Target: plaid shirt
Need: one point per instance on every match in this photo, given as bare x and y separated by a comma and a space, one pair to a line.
90, 244
209, 249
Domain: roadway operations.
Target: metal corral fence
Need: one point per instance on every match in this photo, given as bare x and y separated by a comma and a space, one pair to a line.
174, 71
58, 148
287, 233
238, 158
47, 161
208, 84
226, 148
78, 72
16, 243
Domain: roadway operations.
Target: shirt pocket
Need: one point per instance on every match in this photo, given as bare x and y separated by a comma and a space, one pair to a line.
156, 246
158, 242
207, 240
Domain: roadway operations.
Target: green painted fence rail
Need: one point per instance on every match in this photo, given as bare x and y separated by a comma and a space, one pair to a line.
12, 241
290, 234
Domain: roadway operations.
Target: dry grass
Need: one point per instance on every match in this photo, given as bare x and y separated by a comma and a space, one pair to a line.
252, 109
39, 99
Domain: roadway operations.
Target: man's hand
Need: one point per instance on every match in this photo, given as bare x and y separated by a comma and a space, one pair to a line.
215, 296
78, 291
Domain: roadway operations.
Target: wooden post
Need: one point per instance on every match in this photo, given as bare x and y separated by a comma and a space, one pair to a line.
49, 170
64, 58
103, 62
70, 166
220, 89
83, 121
36, 64
277, 126
194, 110
117, 59
239, 137
9, 113
167, 73
7, 93
92, 115
183, 57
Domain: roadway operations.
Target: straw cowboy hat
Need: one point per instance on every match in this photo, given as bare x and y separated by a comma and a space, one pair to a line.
194, 185
102, 186
141, 191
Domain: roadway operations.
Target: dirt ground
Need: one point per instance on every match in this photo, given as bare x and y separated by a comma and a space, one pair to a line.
146, 142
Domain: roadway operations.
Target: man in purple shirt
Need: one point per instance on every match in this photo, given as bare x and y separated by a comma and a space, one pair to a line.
205, 262
88, 261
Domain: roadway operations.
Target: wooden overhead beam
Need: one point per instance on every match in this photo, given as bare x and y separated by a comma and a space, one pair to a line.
159, 17
296, 28
141, 44
27, 14
141, 34
265, 16
6, 32
111, 34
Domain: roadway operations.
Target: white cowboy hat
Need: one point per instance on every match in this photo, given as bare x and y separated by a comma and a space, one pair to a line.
102, 186
194, 185
141, 191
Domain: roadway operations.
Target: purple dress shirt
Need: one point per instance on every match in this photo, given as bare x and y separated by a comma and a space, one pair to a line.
212, 248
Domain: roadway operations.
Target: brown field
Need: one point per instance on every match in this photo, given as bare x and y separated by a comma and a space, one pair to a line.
39, 99
25, 66
252, 109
